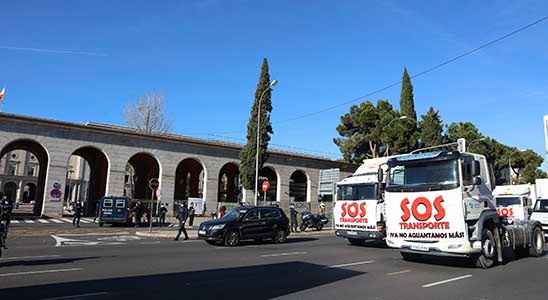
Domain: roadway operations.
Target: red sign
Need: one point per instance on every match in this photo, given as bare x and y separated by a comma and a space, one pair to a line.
266, 185
154, 184
505, 212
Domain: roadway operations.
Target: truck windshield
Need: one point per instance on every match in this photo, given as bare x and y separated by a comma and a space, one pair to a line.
423, 176
357, 192
507, 201
541, 205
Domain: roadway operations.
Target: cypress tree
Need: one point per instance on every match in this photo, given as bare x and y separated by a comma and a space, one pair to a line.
248, 153
407, 103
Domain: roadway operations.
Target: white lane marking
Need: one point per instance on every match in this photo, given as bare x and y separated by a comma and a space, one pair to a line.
56, 221
94, 233
40, 272
27, 257
398, 273
77, 296
351, 264
28, 221
446, 281
42, 221
145, 243
15, 221
88, 219
85, 221
67, 220
284, 254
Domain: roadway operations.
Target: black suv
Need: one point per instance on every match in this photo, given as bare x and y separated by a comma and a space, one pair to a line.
246, 223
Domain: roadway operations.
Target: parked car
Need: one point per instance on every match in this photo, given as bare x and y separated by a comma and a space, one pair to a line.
246, 223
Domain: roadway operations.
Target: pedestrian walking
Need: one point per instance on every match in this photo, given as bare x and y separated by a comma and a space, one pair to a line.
137, 213
293, 216
97, 210
191, 212
7, 205
77, 214
163, 212
182, 215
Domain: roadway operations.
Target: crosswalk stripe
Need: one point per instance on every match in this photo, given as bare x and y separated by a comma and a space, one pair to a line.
43, 221
66, 220
85, 221
56, 221
15, 221
88, 219
29, 221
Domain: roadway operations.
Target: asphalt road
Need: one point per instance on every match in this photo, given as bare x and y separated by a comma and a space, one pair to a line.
120, 265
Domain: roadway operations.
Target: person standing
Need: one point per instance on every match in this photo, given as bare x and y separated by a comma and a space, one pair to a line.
191, 212
137, 212
182, 215
97, 210
293, 216
77, 214
163, 212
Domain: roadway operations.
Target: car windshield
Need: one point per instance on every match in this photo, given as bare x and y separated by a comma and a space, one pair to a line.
541, 205
356, 192
235, 213
507, 201
439, 174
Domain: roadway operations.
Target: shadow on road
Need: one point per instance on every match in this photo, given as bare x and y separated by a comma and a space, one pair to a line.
254, 282
41, 262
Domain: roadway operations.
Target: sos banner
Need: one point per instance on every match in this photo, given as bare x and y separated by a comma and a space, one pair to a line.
433, 215
356, 215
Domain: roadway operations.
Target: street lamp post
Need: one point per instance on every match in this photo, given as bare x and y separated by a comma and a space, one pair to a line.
272, 84
386, 126
510, 165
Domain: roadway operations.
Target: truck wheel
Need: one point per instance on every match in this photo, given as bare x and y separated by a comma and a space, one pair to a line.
488, 254
537, 243
356, 242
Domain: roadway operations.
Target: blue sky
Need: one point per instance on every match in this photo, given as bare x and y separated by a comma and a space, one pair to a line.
204, 57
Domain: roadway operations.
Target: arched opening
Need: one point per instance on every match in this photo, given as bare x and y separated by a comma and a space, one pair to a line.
29, 192
298, 186
10, 190
25, 161
189, 180
140, 168
86, 180
229, 183
268, 173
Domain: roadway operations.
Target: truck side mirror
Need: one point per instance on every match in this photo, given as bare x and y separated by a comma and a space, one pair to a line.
476, 170
380, 174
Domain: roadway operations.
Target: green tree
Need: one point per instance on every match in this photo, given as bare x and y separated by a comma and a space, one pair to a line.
526, 165
407, 101
249, 151
431, 128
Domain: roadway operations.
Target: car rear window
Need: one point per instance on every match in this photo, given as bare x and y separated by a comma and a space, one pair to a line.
107, 203
269, 213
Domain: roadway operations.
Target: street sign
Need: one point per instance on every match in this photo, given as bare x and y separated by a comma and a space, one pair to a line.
154, 184
266, 185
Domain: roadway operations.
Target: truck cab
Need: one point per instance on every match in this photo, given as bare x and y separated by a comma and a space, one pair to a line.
514, 201
359, 209
440, 203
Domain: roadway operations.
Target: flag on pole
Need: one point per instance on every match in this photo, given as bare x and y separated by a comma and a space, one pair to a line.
2, 92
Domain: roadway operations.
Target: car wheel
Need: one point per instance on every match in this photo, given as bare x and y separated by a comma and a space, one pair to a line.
537, 243
488, 254
232, 238
280, 237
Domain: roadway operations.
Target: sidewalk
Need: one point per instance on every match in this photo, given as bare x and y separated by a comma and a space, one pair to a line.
193, 233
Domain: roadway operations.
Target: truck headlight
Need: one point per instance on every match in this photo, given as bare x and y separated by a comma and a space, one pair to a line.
217, 227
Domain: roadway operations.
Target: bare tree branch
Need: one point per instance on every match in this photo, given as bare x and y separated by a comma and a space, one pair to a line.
147, 114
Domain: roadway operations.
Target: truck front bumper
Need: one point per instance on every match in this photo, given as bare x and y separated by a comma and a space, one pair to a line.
360, 235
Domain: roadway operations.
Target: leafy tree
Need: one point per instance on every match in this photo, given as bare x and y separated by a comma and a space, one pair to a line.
431, 128
407, 101
525, 165
249, 151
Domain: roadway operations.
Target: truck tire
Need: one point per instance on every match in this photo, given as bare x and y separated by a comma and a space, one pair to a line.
537, 243
488, 254
356, 242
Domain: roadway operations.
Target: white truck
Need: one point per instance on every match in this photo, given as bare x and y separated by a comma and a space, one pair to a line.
359, 209
515, 201
440, 203
540, 208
